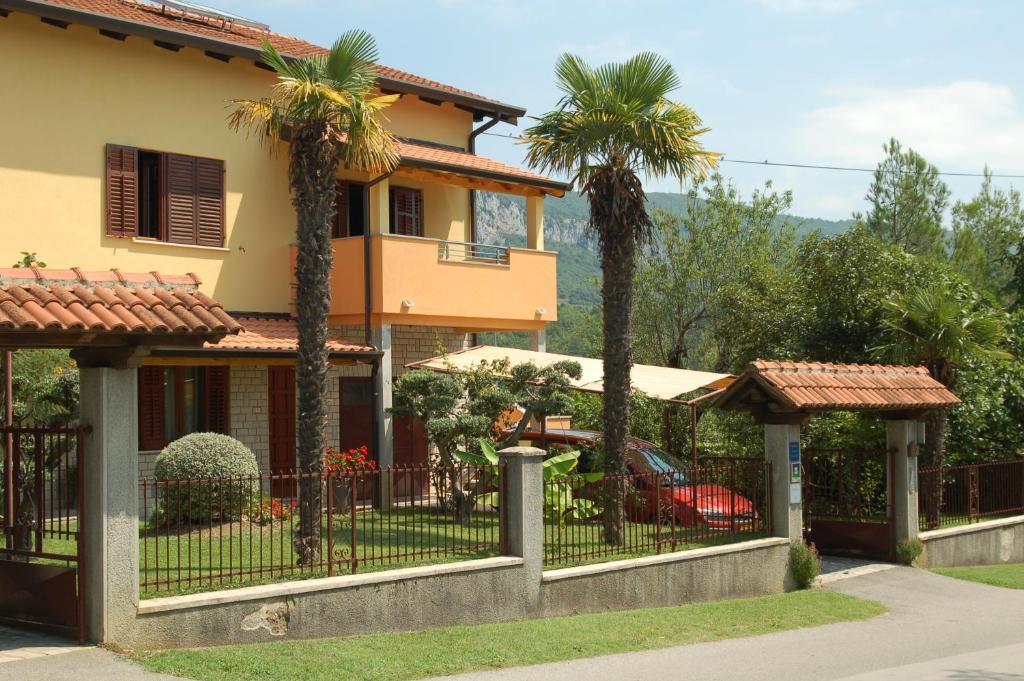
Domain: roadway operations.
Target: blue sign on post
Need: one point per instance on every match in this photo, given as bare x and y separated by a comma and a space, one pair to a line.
794, 452
794, 463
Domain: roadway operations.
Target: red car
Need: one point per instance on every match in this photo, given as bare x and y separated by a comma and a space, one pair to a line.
659, 475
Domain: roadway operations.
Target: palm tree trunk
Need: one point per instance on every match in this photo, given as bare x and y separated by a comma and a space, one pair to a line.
312, 170
935, 436
617, 261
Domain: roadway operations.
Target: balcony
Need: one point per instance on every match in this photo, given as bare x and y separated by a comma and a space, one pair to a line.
434, 282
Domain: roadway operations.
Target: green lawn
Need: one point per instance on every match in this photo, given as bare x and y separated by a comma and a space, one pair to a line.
463, 649
1009, 576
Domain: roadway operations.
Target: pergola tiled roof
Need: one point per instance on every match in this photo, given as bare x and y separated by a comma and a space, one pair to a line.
769, 389
71, 307
274, 335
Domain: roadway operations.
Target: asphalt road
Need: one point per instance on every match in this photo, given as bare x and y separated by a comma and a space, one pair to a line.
937, 629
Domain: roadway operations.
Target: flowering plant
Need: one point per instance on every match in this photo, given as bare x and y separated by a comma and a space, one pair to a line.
267, 509
352, 462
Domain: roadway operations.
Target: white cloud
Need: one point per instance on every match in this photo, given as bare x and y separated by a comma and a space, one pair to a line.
828, 6
959, 126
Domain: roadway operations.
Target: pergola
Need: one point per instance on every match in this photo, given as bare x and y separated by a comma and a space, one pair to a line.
109, 320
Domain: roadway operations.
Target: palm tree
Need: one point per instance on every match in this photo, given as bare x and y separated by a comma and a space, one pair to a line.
614, 123
325, 108
940, 328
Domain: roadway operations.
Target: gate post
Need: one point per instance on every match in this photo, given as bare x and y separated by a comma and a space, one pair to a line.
110, 527
782, 451
901, 437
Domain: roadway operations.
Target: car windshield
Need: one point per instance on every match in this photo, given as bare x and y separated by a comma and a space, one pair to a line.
663, 462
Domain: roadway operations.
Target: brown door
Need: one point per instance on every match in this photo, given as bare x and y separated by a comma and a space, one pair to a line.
356, 423
281, 408
410, 453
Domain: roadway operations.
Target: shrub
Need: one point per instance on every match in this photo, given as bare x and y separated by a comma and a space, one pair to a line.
908, 550
805, 562
207, 458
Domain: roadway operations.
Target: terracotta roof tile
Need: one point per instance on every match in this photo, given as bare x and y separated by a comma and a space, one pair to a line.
34, 299
276, 334
165, 17
816, 385
428, 155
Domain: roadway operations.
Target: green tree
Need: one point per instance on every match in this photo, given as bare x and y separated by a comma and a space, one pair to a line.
941, 327
324, 108
613, 123
986, 233
908, 199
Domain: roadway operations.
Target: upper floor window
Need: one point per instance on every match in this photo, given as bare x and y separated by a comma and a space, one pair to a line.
166, 197
350, 210
406, 211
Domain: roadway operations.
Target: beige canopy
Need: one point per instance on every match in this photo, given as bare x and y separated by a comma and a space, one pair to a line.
661, 383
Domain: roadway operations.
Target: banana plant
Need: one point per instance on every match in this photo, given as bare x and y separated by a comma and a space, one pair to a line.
561, 480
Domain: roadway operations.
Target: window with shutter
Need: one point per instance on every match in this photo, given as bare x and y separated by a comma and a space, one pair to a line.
340, 227
122, 190
406, 211
216, 399
151, 408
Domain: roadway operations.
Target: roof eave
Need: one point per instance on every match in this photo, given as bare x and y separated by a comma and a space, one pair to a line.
553, 187
506, 112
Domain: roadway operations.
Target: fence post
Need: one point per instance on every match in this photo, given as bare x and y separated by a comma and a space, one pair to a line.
901, 438
523, 508
782, 451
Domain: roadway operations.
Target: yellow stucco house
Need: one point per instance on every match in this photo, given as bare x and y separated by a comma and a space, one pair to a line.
115, 154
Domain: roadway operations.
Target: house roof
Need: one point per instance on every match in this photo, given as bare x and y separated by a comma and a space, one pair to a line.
276, 334
793, 387
83, 305
450, 160
180, 27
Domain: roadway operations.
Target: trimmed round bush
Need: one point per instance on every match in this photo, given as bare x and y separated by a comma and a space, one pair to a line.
207, 478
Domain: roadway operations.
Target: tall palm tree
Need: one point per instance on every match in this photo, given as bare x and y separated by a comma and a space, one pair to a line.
324, 107
940, 329
614, 123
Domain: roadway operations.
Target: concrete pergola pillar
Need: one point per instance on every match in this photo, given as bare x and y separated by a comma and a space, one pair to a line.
901, 436
110, 526
383, 389
523, 490
539, 340
782, 451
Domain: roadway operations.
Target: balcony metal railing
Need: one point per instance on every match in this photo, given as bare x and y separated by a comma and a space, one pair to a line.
461, 251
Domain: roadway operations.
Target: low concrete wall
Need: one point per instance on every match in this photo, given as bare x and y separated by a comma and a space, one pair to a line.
471, 592
753, 568
988, 543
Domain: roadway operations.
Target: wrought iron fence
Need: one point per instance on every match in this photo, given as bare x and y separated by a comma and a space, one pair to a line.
718, 502
846, 484
204, 534
959, 495
462, 251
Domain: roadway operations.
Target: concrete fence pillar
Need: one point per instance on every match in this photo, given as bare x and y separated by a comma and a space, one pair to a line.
782, 451
383, 390
110, 526
902, 437
523, 504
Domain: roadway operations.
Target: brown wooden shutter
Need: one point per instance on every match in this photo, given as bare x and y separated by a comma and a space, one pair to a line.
180, 198
407, 211
122, 191
151, 408
340, 227
209, 202
216, 403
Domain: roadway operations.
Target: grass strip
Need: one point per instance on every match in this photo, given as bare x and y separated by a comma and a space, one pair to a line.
1008, 576
453, 650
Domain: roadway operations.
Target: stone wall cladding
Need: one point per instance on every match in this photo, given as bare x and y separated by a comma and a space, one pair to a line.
249, 418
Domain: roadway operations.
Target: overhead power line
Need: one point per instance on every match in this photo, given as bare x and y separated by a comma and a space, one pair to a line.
812, 166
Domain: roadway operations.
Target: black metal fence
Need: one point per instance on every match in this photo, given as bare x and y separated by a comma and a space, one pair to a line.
959, 495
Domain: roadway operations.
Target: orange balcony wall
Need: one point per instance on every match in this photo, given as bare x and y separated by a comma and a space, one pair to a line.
428, 282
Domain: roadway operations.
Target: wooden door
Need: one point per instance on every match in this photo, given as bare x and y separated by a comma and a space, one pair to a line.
410, 452
281, 410
356, 424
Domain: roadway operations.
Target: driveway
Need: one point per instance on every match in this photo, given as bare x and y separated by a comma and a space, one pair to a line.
936, 629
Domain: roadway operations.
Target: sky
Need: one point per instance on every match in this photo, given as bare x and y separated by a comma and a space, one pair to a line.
823, 82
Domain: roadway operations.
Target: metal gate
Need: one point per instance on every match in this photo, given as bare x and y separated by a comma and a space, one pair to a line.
40, 556
848, 507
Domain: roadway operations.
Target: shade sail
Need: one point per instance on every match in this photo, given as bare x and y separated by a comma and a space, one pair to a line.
661, 383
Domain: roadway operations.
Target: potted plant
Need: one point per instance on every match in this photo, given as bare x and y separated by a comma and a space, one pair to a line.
341, 469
